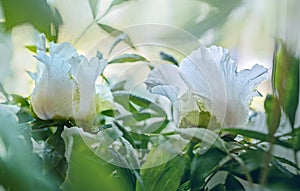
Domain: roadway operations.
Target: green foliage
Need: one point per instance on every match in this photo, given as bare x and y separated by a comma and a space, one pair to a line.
54, 161
2, 90
232, 184
254, 161
135, 104
273, 112
37, 12
257, 135
128, 58
94, 5
286, 79
33, 49
217, 15
203, 136
168, 57
88, 171
20, 168
219, 187
71, 161
166, 176
119, 35
24, 114
118, 2
203, 165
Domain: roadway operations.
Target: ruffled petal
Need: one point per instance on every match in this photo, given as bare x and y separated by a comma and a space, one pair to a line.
209, 76
166, 74
41, 43
240, 89
169, 92
51, 95
65, 50
85, 74
205, 79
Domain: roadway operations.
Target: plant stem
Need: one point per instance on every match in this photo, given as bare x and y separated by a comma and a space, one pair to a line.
268, 157
90, 25
246, 147
190, 149
84, 31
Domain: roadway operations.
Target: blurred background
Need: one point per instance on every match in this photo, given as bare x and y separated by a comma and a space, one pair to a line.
246, 28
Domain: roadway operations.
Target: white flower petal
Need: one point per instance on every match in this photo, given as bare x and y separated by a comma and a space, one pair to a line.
85, 74
65, 83
171, 94
41, 43
166, 74
51, 95
209, 76
205, 78
167, 91
65, 50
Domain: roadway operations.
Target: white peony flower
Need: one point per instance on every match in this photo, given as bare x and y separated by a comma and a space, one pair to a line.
65, 83
208, 79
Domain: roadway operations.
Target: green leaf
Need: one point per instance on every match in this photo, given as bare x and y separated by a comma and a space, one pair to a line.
131, 119
94, 7
44, 18
120, 86
130, 102
232, 184
166, 176
273, 112
157, 127
217, 16
128, 58
2, 90
32, 48
253, 160
283, 183
117, 2
19, 100
255, 163
54, 150
247, 133
280, 168
120, 36
286, 161
203, 136
40, 124
24, 114
87, 171
286, 79
168, 57
123, 99
109, 113
256, 135
219, 187
203, 165
140, 101
20, 168
145, 103
126, 134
